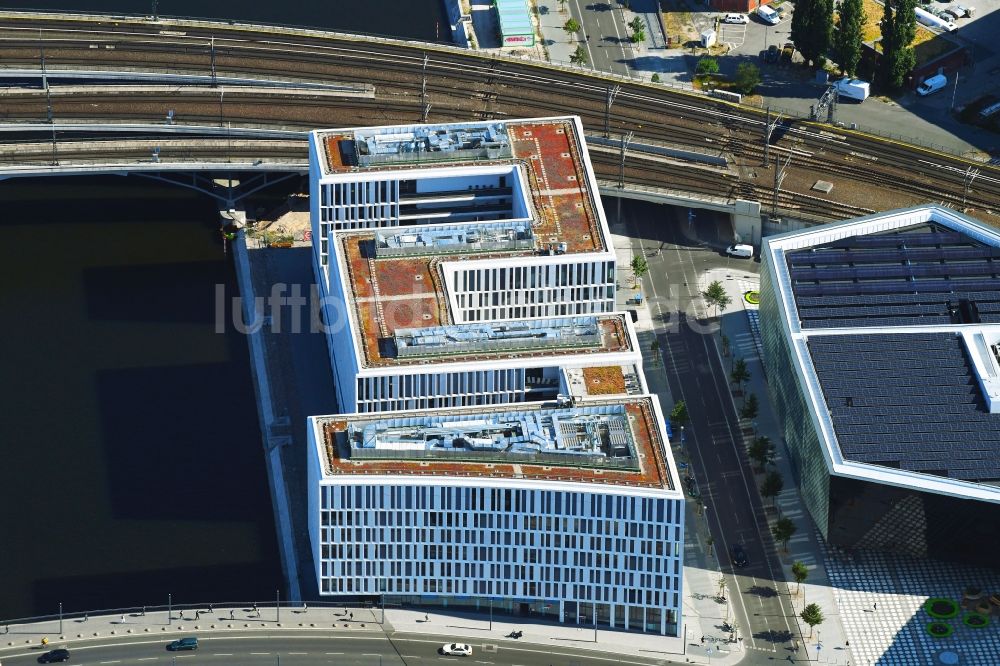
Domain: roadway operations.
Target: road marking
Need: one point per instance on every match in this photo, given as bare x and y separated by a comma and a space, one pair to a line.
330, 653
298, 653
116, 661
259, 654
222, 654
147, 659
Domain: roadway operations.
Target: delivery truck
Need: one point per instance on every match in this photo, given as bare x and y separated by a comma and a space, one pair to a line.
854, 89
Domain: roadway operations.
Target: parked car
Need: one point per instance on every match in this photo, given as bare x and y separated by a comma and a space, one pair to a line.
768, 15
772, 54
740, 558
932, 85
53, 656
190, 643
457, 649
736, 18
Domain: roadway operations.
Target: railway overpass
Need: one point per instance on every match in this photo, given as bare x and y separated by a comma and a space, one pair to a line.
242, 94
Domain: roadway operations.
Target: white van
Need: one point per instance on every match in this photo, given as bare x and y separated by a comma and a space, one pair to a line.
740, 250
932, 85
768, 15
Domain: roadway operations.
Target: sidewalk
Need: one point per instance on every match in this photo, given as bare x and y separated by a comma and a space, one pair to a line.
805, 546
202, 620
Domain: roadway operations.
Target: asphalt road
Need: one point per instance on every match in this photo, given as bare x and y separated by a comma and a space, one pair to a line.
606, 35
296, 649
695, 373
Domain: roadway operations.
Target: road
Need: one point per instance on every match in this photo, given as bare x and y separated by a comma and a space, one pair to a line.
607, 37
294, 649
695, 373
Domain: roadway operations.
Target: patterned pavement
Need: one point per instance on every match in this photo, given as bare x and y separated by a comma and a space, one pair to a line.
881, 596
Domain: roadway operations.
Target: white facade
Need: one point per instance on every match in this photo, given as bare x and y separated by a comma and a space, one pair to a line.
560, 549
542, 284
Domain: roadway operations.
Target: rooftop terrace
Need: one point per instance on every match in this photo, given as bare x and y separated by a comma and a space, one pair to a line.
615, 442
548, 152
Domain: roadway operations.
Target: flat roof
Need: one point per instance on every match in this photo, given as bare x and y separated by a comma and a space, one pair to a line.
913, 275
894, 320
908, 401
546, 150
615, 442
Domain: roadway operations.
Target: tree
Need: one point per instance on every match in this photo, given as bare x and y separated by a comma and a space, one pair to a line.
679, 414
562, 5
725, 344
740, 374
899, 27
848, 38
638, 30
800, 571
639, 267
761, 451
812, 29
579, 56
772, 485
812, 616
716, 296
783, 530
654, 349
747, 77
571, 26
750, 407
655, 78
707, 66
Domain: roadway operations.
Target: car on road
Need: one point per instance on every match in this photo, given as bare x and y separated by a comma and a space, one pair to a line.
457, 649
740, 250
739, 555
190, 643
53, 656
742, 19
772, 54
787, 51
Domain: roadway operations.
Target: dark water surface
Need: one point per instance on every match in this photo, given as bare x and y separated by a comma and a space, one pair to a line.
412, 19
132, 463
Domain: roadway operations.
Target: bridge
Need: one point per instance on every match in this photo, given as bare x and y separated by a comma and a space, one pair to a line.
169, 97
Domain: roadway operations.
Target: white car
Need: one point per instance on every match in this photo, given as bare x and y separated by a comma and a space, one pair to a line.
736, 18
457, 649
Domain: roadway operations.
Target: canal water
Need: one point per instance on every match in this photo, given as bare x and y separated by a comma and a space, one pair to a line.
412, 19
132, 459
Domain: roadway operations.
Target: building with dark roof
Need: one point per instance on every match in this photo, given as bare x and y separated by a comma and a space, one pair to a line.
881, 341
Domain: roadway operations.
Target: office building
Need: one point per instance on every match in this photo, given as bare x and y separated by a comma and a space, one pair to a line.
881, 341
539, 510
466, 264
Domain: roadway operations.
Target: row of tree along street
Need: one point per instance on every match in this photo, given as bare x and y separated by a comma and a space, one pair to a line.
816, 36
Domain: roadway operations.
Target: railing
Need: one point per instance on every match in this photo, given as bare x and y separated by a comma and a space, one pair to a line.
579, 460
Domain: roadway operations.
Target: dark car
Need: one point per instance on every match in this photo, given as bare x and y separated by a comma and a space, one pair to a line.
739, 556
183, 644
52, 656
772, 54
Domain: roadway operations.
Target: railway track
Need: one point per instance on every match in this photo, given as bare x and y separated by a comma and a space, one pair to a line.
462, 85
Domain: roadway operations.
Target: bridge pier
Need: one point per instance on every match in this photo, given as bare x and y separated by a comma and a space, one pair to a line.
747, 223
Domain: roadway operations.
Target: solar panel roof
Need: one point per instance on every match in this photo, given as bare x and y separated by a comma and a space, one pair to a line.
908, 401
924, 274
